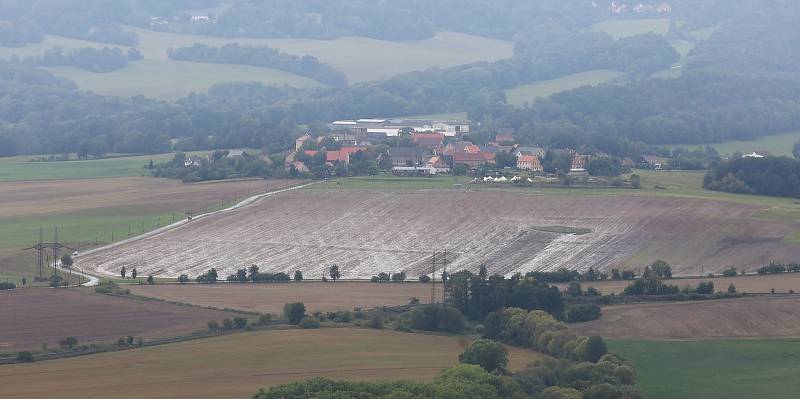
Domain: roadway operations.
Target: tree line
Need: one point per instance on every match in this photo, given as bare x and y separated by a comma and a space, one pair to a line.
261, 56
99, 60
773, 176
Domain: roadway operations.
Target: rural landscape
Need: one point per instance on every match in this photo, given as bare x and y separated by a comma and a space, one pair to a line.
450, 199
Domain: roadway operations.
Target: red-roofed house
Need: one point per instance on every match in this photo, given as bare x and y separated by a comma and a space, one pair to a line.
469, 159
503, 138
428, 140
311, 153
298, 144
351, 150
439, 164
529, 162
337, 156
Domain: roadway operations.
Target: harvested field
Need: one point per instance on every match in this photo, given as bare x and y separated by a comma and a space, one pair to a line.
270, 298
35, 316
366, 232
760, 317
754, 284
236, 366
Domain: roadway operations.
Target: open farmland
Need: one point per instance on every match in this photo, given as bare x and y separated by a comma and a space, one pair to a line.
366, 232
758, 317
32, 317
90, 212
270, 298
754, 284
236, 366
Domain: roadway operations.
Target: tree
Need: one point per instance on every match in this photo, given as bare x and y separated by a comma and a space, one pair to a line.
583, 312
151, 280
731, 289
376, 321
294, 312
227, 324
796, 149
25, 357
24, 281
636, 181
183, 278
66, 261
123, 272
253, 273
298, 276
213, 326
133, 273
490, 355
68, 343
574, 289
595, 349
334, 272
399, 277
240, 322
424, 279
661, 269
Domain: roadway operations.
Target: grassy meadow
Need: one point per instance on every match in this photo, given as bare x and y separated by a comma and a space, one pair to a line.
779, 144
361, 59
21, 168
722, 369
529, 93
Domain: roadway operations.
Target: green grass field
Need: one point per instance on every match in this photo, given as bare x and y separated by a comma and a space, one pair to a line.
171, 80
529, 93
626, 28
779, 144
20, 168
158, 76
728, 369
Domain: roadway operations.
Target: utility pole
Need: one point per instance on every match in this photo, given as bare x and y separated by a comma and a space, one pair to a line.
444, 273
433, 278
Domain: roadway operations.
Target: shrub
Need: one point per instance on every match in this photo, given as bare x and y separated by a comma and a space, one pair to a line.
438, 318
413, 301
7, 286
227, 324
731, 272
424, 279
25, 357
602, 391
240, 322
583, 312
68, 343
490, 355
595, 349
309, 323
376, 321
264, 319
731, 289
294, 312
183, 278
343, 317
151, 280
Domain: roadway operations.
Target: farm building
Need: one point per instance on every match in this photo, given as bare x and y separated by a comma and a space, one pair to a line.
529, 162
428, 140
405, 156
534, 151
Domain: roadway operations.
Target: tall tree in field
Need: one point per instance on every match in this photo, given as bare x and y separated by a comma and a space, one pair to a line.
133, 273
334, 273
67, 261
253, 273
123, 272
298, 276
796, 149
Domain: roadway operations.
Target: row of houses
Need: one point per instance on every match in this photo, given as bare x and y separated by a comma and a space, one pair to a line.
353, 132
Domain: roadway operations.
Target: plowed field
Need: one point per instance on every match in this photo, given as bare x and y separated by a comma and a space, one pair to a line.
32, 317
366, 232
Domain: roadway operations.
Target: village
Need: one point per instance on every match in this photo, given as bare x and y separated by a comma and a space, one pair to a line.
417, 147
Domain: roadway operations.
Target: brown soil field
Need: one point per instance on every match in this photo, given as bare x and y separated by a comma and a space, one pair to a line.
761, 317
367, 231
755, 284
270, 298
236, 366
35, 316
126, 194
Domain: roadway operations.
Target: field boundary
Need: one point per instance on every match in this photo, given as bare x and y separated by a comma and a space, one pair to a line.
94, 279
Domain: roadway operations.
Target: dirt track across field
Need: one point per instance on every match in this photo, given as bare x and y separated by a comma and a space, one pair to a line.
237, 365
366, 232
758, 317
31, 317
270, 298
